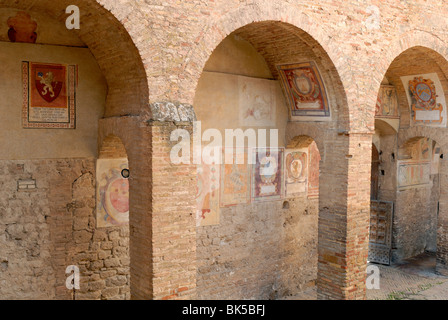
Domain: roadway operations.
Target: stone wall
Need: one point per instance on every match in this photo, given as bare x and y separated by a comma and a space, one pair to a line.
25, 236
415, 221
259, 251
416, 211
50, 225
388, 168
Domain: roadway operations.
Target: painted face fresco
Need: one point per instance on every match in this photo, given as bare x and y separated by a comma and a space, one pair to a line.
112, 193
119, 195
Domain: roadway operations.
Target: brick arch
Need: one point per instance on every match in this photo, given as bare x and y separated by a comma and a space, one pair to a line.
434, 47
263, 11
305, 130
435, 134
112, 147
118, 131
111, 45
408, 40
384, 128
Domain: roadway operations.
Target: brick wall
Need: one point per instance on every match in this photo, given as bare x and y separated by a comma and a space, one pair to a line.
162, 231
173, 222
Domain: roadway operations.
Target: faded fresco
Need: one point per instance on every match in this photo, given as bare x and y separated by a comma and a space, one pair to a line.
267, 179
416, 170
387, 103
305, 90
257, 102
313, 171
426, 100
296, 171
235, 180
207, 195
49, 95
413, 174
112, 193
22, 28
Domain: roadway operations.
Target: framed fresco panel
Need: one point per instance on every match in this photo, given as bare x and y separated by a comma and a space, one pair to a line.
49, 95
267, 174
426, 100
413, 175
387, 103
235, 179
296, 171
112, 193
305, 90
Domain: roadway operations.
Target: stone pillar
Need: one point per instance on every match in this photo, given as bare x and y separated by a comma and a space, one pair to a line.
344, 217
162, 203
173, 206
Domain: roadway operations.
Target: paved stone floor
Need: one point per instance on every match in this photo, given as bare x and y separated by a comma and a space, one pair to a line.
413, 279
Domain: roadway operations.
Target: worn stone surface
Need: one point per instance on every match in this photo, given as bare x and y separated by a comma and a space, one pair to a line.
175, 112
259, 251
48, 228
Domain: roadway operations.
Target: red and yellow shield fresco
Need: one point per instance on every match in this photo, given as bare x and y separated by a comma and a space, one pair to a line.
48, 86
49, 95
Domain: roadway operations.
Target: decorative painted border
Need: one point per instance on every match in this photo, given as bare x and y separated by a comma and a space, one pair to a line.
72, 75
438, 104
379, 104
305, 169
281, 154
290, 96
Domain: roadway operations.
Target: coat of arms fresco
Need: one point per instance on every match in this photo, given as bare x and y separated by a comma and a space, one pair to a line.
305, 90
49, 95
426, 100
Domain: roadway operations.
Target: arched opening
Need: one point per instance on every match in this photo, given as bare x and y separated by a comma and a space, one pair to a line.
257, 234
382, 192
50, 137
375, 173
417, 203
411, 108
383, 159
